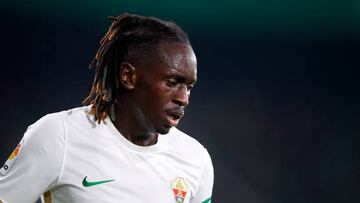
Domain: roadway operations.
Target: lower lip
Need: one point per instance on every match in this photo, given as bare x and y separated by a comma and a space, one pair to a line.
172, 122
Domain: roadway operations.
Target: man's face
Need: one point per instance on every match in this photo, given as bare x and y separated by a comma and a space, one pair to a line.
163, 86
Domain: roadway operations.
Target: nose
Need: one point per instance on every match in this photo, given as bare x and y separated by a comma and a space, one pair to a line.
182, 96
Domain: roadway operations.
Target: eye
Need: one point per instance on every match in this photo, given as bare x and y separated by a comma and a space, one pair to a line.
171, 83
189, 87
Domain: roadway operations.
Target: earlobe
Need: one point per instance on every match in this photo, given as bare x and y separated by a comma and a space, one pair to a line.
128, 75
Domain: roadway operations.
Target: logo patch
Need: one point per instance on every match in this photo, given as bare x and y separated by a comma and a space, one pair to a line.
11, 160
180, 189
87, 183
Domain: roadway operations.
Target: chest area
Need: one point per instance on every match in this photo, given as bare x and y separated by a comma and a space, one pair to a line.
113, 174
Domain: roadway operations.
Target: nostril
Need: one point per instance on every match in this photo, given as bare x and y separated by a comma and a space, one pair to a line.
181, 102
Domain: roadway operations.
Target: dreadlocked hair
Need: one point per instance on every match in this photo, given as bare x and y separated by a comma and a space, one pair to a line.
129, 35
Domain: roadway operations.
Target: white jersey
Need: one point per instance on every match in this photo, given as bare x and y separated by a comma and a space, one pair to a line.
69, 158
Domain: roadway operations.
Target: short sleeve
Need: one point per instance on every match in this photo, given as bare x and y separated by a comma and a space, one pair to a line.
206, 182
35, 165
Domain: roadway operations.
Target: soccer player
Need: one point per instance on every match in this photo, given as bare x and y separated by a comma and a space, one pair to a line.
123, 146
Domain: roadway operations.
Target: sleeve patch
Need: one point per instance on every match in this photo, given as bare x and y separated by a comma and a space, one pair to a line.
12, 158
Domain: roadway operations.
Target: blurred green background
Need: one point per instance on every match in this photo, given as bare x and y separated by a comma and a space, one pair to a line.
253, 17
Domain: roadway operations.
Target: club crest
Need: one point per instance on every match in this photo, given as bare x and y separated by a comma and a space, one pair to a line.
180, 189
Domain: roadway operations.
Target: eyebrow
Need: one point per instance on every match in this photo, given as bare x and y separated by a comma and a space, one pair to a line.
180, 78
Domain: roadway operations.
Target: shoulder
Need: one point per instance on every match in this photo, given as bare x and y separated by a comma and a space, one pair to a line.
78, 118
186, 145
55, 121
52, 127
48, 124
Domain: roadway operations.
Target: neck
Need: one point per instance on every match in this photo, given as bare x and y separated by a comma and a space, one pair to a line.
130, 127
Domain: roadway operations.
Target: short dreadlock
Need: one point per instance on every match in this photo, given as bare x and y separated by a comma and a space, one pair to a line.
128, 34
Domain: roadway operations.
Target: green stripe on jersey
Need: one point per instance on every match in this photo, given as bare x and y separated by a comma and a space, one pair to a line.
207, 200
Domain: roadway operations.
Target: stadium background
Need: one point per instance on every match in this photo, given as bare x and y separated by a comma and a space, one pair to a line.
276, 104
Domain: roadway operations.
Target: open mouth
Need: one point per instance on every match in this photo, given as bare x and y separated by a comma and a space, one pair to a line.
174, 118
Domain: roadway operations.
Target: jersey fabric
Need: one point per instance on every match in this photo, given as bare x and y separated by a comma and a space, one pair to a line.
70, 158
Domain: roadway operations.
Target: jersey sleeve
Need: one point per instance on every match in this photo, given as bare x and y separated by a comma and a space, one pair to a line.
206, 182
34, 166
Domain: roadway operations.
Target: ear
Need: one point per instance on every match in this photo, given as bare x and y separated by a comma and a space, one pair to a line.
128, 75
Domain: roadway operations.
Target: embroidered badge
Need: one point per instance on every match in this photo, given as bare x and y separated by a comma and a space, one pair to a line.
180, 189
11, 160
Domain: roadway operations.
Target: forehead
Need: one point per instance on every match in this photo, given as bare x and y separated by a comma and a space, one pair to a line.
176, 53
177, 58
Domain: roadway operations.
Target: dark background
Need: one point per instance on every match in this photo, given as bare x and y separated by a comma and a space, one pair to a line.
276, 104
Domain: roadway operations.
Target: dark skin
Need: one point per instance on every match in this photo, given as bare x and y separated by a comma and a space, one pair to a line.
157, 92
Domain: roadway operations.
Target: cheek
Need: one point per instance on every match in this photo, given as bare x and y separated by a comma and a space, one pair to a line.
162, 96
157, 97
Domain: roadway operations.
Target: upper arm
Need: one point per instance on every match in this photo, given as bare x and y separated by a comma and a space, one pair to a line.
206, 182
34, 167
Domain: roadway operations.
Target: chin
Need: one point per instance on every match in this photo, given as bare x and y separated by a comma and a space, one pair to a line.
163, 130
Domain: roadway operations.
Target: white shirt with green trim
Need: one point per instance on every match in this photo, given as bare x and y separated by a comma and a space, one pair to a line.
73, 159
